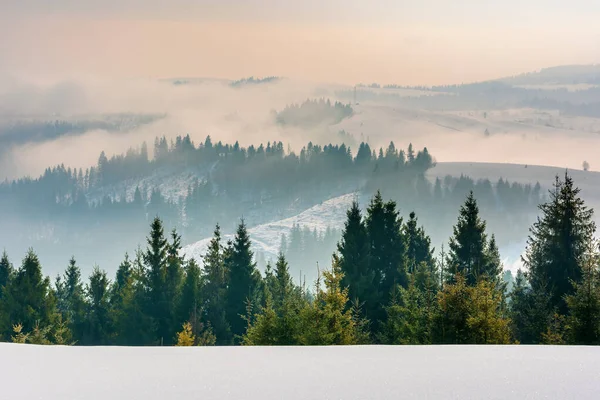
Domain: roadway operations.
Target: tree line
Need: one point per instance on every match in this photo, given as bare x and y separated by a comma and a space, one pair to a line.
384, 285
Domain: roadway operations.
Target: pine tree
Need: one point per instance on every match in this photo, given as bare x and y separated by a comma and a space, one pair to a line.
486, 322
39, 334
27, 299
122, 278
418, 244
584, 303
155, 259
61, 334
262, 330
408, 319
492, 270
6, 273
329, 320
19, 336
216, 278
186, 337
387, 256
71, 300
558, 242
519, 307
191, 307
471, 314
173, 281
454, 308
468, 246
133, 324
99, 327
353, 249
288, 303
362, 326
242, 279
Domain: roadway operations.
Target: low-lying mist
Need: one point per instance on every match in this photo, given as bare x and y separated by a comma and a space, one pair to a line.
244, 113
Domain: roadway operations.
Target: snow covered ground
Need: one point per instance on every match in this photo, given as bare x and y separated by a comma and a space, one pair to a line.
173, 184
266, 238
374, 372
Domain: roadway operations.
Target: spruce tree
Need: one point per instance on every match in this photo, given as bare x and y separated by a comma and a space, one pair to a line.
492, 270
156, 262
468, 246
133, 323
519, 307
277, 323
185, 337
487, 323
242, 279
122, 278
71, 300
216, 278
173, 281
6, 272
99, 326
288, 303
387, 256
451, 322
408, 317
262, 329
558, 242
353, 249
471, 314
191, 305
418, 244
329, 320
584, 303
27, 299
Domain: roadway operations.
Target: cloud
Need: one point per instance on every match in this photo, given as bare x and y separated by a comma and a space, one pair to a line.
209, 108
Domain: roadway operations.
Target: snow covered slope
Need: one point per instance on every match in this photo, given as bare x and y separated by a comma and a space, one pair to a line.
266, 238
289, 373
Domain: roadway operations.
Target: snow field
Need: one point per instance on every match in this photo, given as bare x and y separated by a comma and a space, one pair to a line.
290, 373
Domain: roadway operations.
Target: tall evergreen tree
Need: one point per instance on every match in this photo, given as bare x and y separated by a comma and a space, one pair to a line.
418, 244
27, 299
133, 323
155, 259
99, 327
468, 246
387, 255
216, 278
492, 270
471, 314
329, 320
173, 281
191, 305
288, 303
71, 300
6, 272
353, 249
243, 280
123, 275
584, 303
409, 317
558, 242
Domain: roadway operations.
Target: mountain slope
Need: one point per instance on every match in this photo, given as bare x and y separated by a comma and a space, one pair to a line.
266, 238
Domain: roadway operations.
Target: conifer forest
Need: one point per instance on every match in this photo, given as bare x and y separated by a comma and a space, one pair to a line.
383, 283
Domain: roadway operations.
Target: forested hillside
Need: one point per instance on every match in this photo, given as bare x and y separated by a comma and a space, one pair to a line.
194, 186
385, 285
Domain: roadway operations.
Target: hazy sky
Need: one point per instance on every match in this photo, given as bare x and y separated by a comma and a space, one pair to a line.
346, 41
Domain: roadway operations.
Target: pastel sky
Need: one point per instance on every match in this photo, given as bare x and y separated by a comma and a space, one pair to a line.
345, 41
